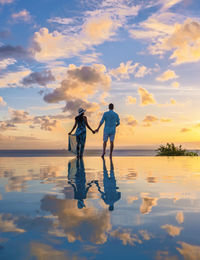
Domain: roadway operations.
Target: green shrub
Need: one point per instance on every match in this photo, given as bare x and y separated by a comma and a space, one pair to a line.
172, 150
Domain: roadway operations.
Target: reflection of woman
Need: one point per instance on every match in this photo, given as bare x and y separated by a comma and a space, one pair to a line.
80, 123
80, 189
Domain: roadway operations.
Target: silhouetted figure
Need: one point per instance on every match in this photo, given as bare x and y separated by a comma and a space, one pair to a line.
81, 123
111, 120
110, 194
79, 184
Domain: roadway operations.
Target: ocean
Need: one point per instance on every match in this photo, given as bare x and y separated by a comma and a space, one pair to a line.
88, 152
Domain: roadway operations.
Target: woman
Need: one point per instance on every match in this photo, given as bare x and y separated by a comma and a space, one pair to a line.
80, 123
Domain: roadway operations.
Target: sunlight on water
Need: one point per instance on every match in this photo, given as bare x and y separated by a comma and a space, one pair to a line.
128, 208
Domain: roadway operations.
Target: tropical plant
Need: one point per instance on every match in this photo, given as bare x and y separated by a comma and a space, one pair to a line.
171, 150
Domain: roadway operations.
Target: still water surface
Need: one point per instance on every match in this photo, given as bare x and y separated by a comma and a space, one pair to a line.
128, 208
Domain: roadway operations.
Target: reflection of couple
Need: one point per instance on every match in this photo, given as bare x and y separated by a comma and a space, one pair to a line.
110, 194
111, 120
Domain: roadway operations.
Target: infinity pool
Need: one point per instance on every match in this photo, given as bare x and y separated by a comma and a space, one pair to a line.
127, 208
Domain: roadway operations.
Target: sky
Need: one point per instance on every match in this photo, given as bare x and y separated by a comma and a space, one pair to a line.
141, 55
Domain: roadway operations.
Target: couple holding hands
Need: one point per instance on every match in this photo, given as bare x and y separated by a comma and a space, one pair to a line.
111, 120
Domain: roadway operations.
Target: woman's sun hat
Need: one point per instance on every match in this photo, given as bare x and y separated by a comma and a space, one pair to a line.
81, 111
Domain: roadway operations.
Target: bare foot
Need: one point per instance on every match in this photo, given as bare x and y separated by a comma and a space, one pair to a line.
102, 156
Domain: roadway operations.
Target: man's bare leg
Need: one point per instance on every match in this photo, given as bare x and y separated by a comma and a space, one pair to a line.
104, 149
111, 148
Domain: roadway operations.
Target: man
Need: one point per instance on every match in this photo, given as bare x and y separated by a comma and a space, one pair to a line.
111, 120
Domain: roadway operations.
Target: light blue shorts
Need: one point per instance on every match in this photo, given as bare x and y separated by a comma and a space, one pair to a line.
106, 136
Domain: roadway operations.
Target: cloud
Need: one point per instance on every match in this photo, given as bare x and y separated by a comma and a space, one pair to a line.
60, 20
185, 42
169, 3
40, 78
149, 119
146, 98
85, 80
93, 28
169, 32
7, 224
130, 120
172, 230
6, 62
6, 126
175, 84
99, 29
23, 15
188, 251
19, 116
131, 199
87, 224
124, 70
15, 52
2, 102
165, 120
142, 71
180, 217
13, 79
131, 100
89, 57
126, 237
147, 204
46, 123
185, 130
57, 45
145, 235
42, 251
6, 1
167, 75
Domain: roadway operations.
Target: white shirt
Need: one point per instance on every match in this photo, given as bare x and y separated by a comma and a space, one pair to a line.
111, 120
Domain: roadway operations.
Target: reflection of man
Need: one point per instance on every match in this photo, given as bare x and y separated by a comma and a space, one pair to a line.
79, 186
110, 194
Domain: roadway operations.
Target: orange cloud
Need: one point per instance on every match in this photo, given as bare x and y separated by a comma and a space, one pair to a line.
124, 70
146, 98
180, 217
175, 84
126, 237
85, 80
13, 79
167, 75
130, 120
6, 62
73, 221
172, 230
149, 119
131, 100
2, 102
188, 251
147, 204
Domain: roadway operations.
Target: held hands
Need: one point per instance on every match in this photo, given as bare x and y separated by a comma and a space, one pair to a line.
95, 131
